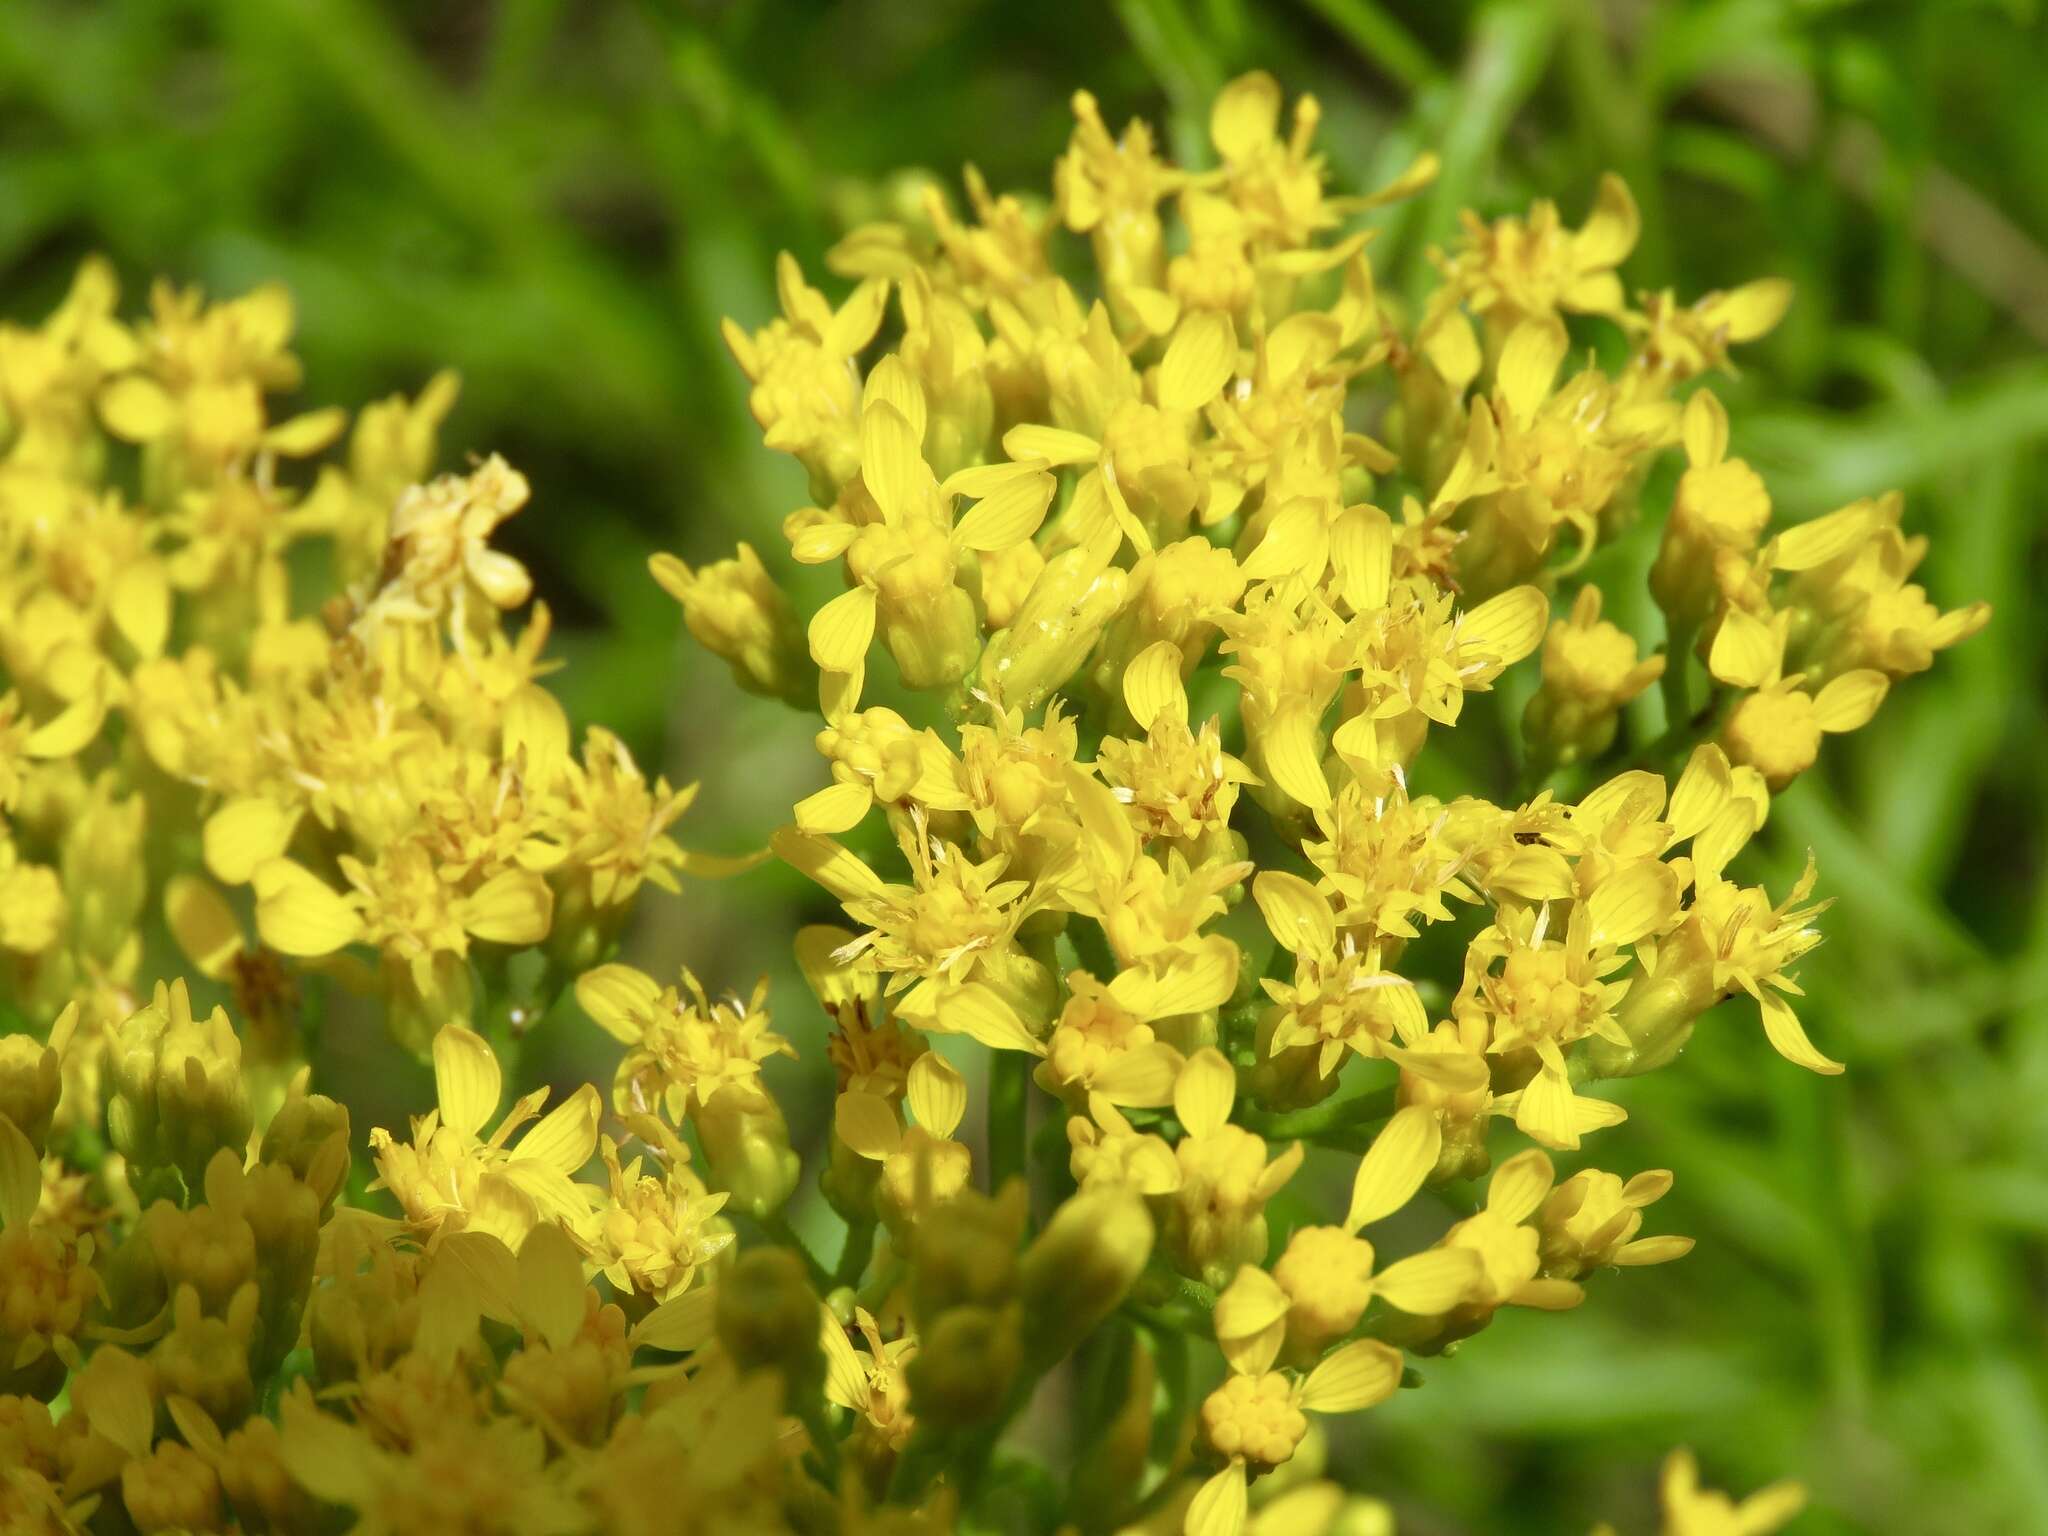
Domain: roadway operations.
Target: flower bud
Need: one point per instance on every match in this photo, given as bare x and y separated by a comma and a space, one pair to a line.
1054, 629
965, 1254
30, 1084
106, 877
737, 612
172, 1489
175, 1094
768, 1320
1590, 671
1079, 1269
746, 1147
46, 1284
310, 1136
966, 1364
207, 1358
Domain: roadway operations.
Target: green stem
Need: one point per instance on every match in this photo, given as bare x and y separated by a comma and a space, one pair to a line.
1009, 1084
1319, 1121
853, 1258
776, 1228
1676, 682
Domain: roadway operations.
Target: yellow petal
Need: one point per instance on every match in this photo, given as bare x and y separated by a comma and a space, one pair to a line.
1219, 1509
136, 409
1747, 651
243, 834
1519, 1185
202, 922
1393, 1168
467, 1081
1207, 1089
1245, 119
619, 999
303, 436
1297, 541
1291, 745
937, 1094
1705, 430
842, 630
1055, 445
837, 868
858, 320
297, 915
1633, 901
1007, 516
866, 1124
140, 601
835, 808
1152, 685
1788, 1038
1198, 361
975, 1011
1297, 914
514, 906
1186, 982
1140, 1077
1815, 543
682, 1323
1848, 702
536, 736
566, 1136
1610, 231
891, 461
1506, 628
21, 1175
1528, 364
1362, 553
1429, 1282
551, 1285
1360, 1374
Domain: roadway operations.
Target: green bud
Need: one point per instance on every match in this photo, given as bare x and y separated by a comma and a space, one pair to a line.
965, 1252
747, 1150
1054, 629
175, 1094
1080, 1268
310, 1136
30, 1084
966, 1364
769, 1319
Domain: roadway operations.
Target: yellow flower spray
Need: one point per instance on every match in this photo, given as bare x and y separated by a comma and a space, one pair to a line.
1128, 828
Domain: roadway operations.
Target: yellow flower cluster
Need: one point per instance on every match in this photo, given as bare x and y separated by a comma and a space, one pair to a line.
1138, 807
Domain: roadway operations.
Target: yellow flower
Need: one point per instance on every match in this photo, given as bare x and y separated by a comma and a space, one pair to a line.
653, 1235
448, 1178
1216, 1220
1534, 268
922, 1166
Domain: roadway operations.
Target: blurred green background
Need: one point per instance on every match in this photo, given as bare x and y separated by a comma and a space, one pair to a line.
561, 198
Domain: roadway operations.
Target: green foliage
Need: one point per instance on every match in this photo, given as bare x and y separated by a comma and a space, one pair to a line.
563, 199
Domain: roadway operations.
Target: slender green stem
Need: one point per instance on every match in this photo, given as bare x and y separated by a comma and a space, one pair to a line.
1009, 1085
1677, 683
1320, 1121
853, 1258
777, 1229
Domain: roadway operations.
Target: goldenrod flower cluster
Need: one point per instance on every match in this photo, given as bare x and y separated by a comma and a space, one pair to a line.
1153, 860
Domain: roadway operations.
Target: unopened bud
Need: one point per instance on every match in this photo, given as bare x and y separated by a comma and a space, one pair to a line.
1054, 629
175, 1089
768, 1320
966, 1364
747, 1150
1080, 1267
30, 1084
737, 612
